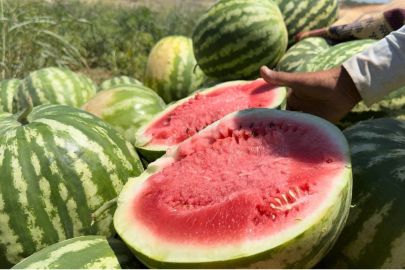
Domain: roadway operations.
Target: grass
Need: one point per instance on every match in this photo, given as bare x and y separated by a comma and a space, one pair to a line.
100, 39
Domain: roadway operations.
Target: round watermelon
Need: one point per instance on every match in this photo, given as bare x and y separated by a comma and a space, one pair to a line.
85, 252
234, 38
8, 88
126, 108
90, 84
374, 235
58, 164
305, 15
188, 116
260, 188
53, 86
172, 70
118, 81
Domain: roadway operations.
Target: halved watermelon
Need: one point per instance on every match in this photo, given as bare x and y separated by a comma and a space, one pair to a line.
260, 188
187, 116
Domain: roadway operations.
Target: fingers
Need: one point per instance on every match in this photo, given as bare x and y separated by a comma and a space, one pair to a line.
292, 80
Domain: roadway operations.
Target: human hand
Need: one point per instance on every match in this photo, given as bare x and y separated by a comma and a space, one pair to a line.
329, 94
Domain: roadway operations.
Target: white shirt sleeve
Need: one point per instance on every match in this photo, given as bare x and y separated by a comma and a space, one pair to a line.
380, 69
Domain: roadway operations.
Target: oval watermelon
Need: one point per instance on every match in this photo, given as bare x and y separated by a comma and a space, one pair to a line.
260, 188
8, 88
86, 252
374, 235
234, 38
126, 108
172, 70
57, 167
186, 117
89, 83
118, 81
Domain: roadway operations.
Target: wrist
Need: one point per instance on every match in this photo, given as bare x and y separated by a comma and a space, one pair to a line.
346, 85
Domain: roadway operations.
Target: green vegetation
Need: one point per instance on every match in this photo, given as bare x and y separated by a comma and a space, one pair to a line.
100, 39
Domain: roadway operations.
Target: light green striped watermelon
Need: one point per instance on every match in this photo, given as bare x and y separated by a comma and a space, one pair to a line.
53, 86
57, 167
126, 108
374, 235
118, 81
4, 114
188, 116
172, 70
305, 15
234, 38
90, 83
85, 252
300, 53
252, 190
8, 88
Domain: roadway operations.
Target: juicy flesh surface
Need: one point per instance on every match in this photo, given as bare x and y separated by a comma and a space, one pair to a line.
204, 109
247, 181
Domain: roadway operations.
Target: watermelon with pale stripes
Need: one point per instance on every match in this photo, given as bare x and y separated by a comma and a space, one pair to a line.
53, 86
4, 114
234, 38
305, 15
85, 252
126, 108
300, 53
172, 70
8, 88
118, 81
374, 235
89, 82
57, 166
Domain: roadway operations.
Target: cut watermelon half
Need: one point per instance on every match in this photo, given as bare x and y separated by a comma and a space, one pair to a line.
188, 116
260, 188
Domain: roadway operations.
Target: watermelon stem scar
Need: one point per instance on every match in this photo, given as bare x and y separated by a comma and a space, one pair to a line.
102, 209
23, 117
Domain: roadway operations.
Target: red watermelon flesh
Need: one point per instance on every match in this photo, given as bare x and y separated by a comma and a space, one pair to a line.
240, 181
205, 108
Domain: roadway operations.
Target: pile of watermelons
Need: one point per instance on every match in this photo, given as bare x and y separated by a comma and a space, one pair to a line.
200, 166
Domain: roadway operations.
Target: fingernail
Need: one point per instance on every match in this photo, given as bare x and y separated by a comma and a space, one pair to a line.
265, 69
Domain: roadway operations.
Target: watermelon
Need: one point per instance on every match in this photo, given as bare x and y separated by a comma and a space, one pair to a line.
89, 82
118, 81
172, 70
8, 88
126, 108
300, 53
234, 38
305, 15
189, 115
85, 252
374, 235
53, 86
58, 164
260, 188
4, 114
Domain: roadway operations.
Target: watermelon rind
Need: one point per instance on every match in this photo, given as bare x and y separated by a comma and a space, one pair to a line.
85, 252
153, 151
374, 235
8, 88
89, 83
4, 114
299, 247
118, 81
55, 171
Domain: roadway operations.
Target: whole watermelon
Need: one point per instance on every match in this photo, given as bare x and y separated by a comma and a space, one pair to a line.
4, 114
53, 86
8, 88
89, 82
374, 235
234, 38
172, 70
85, 252
118, 81
57, 166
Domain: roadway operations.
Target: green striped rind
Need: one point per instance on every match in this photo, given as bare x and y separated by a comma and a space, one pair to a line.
337, 55
55, 171
151, 152
118, 81
300, 53
305, 15
8, 88
126, 108
374, 234
172, 70
234, 38
302, 247
89, 82
53, 86
4, 114
86, 252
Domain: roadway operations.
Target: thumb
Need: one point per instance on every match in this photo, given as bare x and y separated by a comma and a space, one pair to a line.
291, 80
